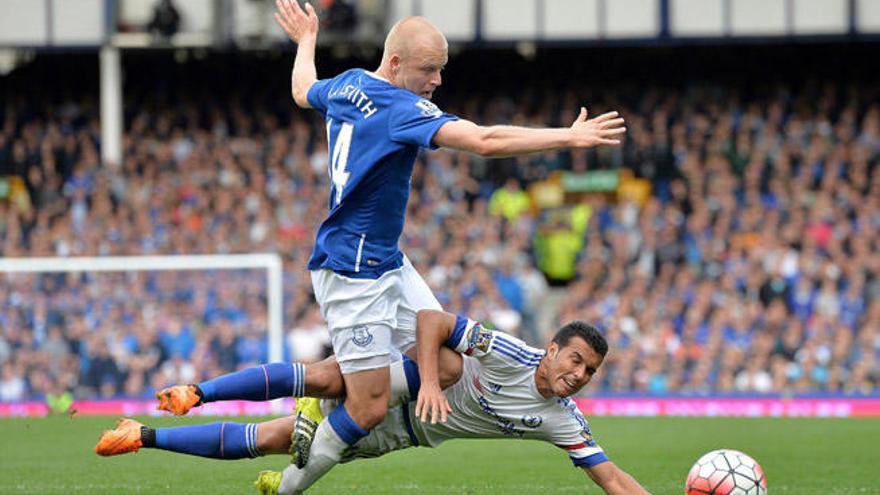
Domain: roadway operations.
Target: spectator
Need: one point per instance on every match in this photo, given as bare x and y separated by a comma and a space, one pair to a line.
510, 201
751, 262
165, 21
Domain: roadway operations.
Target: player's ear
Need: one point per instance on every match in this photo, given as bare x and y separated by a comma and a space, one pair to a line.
553, 350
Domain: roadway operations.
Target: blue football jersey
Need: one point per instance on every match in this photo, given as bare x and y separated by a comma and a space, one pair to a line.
375, 130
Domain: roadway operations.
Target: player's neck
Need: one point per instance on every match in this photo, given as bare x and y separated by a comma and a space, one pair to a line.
385, 73
542, 383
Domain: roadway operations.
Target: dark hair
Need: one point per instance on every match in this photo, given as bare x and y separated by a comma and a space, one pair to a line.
585, 331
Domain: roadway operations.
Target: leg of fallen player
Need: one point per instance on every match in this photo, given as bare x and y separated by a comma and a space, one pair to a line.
223, 440
272, 381
228, 440
259, 383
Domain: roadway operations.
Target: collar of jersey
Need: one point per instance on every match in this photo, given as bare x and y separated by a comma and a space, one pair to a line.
376, 76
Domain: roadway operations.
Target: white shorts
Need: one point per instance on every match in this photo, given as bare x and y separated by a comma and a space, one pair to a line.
372, 321
404, 387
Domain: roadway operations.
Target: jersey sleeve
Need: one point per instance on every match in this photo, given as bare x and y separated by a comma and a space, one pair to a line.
318, 94
496, 350
415, 121
469, 337
572, 434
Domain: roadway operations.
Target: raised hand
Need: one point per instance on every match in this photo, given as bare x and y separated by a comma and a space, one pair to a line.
300, 25
604, 129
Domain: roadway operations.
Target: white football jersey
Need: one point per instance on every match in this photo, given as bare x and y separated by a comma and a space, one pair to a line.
497, 397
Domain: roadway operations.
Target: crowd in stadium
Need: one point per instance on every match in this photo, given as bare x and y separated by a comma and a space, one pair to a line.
752, 267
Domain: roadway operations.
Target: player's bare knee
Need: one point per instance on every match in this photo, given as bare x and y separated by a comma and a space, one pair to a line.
376, 413
449, 377
368, 414
450, 368
367, 395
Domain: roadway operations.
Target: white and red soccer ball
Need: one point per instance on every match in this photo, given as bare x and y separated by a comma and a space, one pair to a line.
726, 472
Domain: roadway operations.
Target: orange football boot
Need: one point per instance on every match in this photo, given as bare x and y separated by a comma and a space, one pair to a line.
178, 400
125, 438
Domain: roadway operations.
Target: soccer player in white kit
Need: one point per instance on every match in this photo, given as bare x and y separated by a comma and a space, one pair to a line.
376, 124
507, 390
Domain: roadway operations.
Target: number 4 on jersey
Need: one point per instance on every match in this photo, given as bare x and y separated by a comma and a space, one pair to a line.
339, 157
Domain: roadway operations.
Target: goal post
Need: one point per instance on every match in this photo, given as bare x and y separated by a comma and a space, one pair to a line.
270, 262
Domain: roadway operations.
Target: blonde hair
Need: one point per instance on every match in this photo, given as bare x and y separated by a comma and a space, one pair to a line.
409, 32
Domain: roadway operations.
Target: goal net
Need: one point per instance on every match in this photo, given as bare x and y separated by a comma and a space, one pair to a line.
114, 327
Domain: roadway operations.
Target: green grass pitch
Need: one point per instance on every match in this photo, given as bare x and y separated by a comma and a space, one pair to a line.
799, 456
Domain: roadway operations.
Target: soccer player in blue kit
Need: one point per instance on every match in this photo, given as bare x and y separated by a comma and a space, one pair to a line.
376, 124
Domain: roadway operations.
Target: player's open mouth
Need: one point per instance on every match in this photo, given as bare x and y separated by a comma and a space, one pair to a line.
572, 385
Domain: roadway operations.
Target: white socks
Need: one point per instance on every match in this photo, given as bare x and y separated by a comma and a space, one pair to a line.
325, 453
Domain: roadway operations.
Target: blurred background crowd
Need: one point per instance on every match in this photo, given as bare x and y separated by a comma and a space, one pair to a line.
750, 267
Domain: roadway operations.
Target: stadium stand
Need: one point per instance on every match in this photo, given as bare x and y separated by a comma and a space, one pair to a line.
750, 268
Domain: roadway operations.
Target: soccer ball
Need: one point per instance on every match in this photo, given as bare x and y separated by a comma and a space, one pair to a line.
726, 472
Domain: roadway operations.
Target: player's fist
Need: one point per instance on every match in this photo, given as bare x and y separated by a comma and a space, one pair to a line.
299, 24
605, 129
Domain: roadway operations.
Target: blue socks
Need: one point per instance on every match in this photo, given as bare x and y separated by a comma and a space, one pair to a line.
231, 440
266, 382
345, 427
215, 440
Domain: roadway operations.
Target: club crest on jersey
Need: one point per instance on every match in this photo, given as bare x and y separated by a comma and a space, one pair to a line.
479, 338
361, 336
428, 109
532, 421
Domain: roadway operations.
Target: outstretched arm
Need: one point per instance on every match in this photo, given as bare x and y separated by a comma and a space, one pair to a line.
301, 27
504, 140
614, 480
